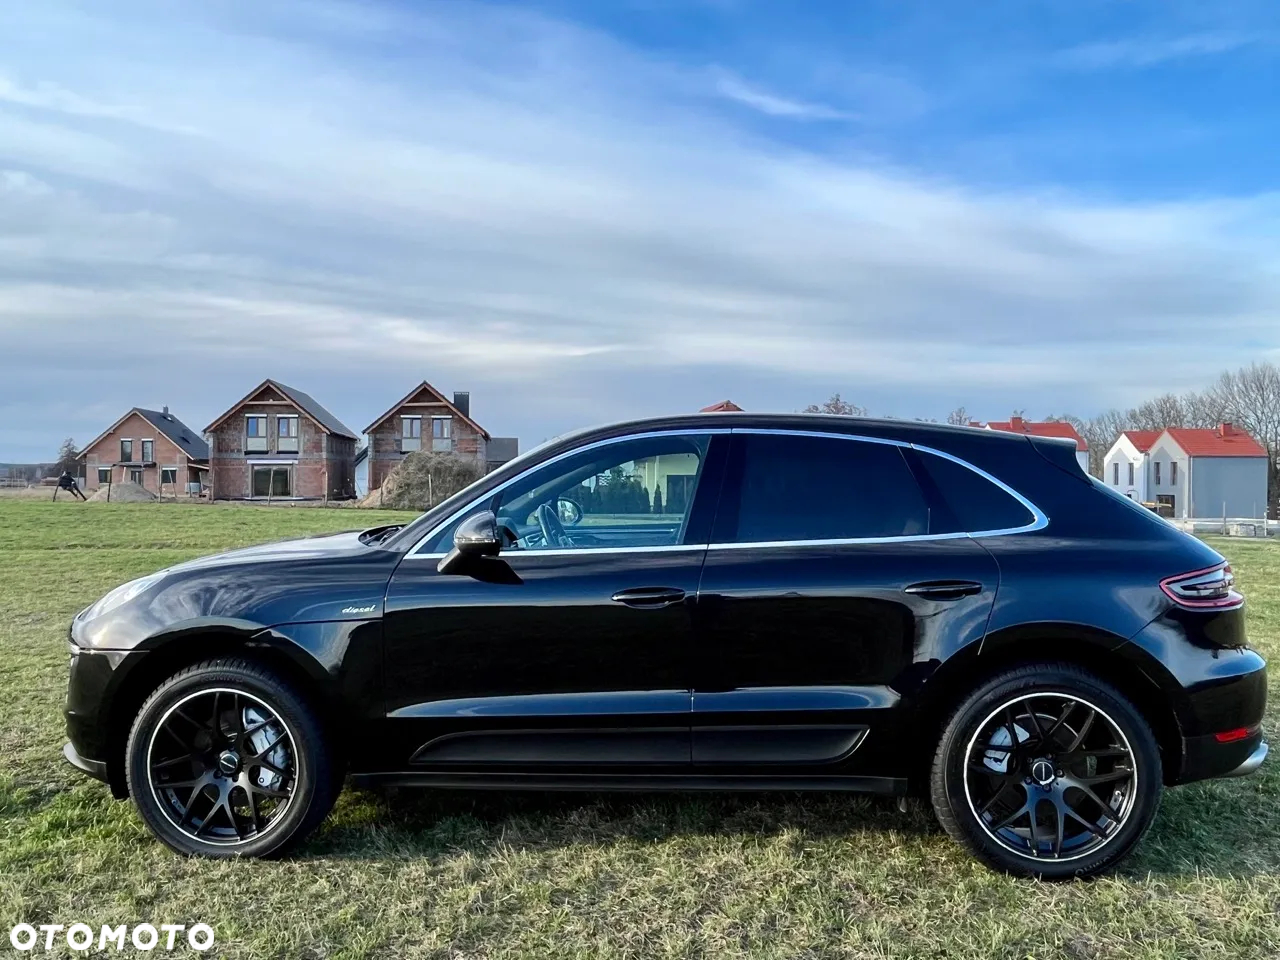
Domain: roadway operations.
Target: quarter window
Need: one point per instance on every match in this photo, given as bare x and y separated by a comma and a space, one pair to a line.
794, 487
975, 503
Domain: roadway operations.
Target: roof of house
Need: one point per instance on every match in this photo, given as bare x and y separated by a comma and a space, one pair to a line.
440, 397
1142, 439
187, 440
724, 406
1047, 428
1226, 440
303, 401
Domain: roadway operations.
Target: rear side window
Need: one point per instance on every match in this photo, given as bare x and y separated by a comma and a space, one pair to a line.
976, 504
818, 488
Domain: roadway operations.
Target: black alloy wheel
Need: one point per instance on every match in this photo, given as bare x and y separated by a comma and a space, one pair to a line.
1047, 771
226, 759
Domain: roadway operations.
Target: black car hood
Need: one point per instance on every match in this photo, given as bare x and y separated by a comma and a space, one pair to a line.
321, 579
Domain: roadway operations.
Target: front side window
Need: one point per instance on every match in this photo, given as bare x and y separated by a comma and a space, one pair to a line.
274, 481
255, 427
633, 493
1115, 473
1173, 473
411, 428
441, 427
168, 475
1157, 465
1131, 474
287, 427
795, 487
148, 451
104, 474
126, 450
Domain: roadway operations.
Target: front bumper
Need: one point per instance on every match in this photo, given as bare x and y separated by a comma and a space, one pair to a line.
94, 768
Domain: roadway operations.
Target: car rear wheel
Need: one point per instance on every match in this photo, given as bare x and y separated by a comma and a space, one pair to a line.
226, 759
1047, 771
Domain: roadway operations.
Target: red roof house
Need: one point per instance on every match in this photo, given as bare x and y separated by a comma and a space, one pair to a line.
724, 406
1224, 440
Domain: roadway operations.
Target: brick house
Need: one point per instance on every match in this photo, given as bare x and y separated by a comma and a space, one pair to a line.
151, 448
279, 443
425, 420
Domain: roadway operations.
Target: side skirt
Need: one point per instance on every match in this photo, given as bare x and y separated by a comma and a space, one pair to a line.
886, 786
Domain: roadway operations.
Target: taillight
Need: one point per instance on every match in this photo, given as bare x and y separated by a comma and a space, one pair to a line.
1213, 587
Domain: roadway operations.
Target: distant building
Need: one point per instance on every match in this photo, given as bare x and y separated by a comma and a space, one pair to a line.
724, 406
151, 448
280, 443
1046, 428
1192, 473
424, 419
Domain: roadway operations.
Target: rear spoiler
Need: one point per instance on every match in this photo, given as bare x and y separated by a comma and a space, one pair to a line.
1061, 452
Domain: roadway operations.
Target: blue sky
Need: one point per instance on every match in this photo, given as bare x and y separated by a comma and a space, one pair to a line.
586, 211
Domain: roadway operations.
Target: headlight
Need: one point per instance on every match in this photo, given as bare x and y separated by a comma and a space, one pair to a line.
122, 595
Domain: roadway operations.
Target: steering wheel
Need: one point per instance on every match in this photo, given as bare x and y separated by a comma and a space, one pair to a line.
552, 529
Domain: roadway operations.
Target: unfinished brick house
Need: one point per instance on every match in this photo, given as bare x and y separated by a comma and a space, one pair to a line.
151, 448
278, 443
424, 420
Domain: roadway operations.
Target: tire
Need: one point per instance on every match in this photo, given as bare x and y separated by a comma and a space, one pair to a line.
226, 759
1046, 772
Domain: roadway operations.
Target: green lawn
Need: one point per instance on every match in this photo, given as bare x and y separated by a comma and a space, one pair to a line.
481, 875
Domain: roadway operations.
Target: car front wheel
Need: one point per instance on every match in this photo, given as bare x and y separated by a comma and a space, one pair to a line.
1047, 771
226, 759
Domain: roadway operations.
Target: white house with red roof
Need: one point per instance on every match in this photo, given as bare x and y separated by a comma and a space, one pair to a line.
1125, 467
1046, 428
1194, 473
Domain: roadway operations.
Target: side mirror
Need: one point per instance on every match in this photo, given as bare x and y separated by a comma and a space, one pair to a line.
477, 536
569, 511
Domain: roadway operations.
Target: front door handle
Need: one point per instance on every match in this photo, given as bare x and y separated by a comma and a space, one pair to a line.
944, 589
649, 598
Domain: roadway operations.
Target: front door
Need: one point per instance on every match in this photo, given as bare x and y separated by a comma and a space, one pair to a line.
823, 599
576, 656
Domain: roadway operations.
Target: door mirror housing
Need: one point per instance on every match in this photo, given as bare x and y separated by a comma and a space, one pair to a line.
476, 537
569, 511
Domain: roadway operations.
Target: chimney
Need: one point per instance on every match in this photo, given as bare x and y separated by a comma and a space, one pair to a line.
1016, 423
1227, 430
462, 400
165, 411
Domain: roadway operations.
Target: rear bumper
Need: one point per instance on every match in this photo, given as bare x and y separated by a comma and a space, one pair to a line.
1252, 762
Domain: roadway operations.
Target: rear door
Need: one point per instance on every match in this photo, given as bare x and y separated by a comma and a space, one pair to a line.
824, 598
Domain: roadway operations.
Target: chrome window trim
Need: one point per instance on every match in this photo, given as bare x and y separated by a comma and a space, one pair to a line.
1039, 520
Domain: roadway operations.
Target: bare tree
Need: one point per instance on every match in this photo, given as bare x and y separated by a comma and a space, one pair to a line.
1159, 414
837, 407
1250, 398
959, 417
68, 462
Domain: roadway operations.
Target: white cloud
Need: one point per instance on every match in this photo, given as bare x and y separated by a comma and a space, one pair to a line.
1151, 51
495, 201
738, 90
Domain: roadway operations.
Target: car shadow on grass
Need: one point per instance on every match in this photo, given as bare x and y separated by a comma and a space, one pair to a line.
1223, 829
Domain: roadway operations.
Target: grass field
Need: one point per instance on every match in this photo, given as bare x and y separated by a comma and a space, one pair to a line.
480, 875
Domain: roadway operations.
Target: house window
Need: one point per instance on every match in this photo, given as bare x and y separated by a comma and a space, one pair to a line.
273, 481
126, 451
148, 451
135, 476
442, 433
1173, 473
169, 475
1157, 473
104, 474
1115, 474
255, 434
1131, 474
287, 434
410, 434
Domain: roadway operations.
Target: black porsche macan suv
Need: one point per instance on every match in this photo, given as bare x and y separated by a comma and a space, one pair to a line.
720, 601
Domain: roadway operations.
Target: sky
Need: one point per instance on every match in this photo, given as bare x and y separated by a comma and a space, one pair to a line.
588, 210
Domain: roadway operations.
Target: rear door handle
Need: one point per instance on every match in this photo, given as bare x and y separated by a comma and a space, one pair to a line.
944, 589
649, 598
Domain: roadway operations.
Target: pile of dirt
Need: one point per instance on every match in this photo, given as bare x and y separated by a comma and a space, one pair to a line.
124, 493
421, 480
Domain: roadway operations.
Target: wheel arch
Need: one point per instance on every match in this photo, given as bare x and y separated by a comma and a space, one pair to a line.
170, 652
1127, 667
